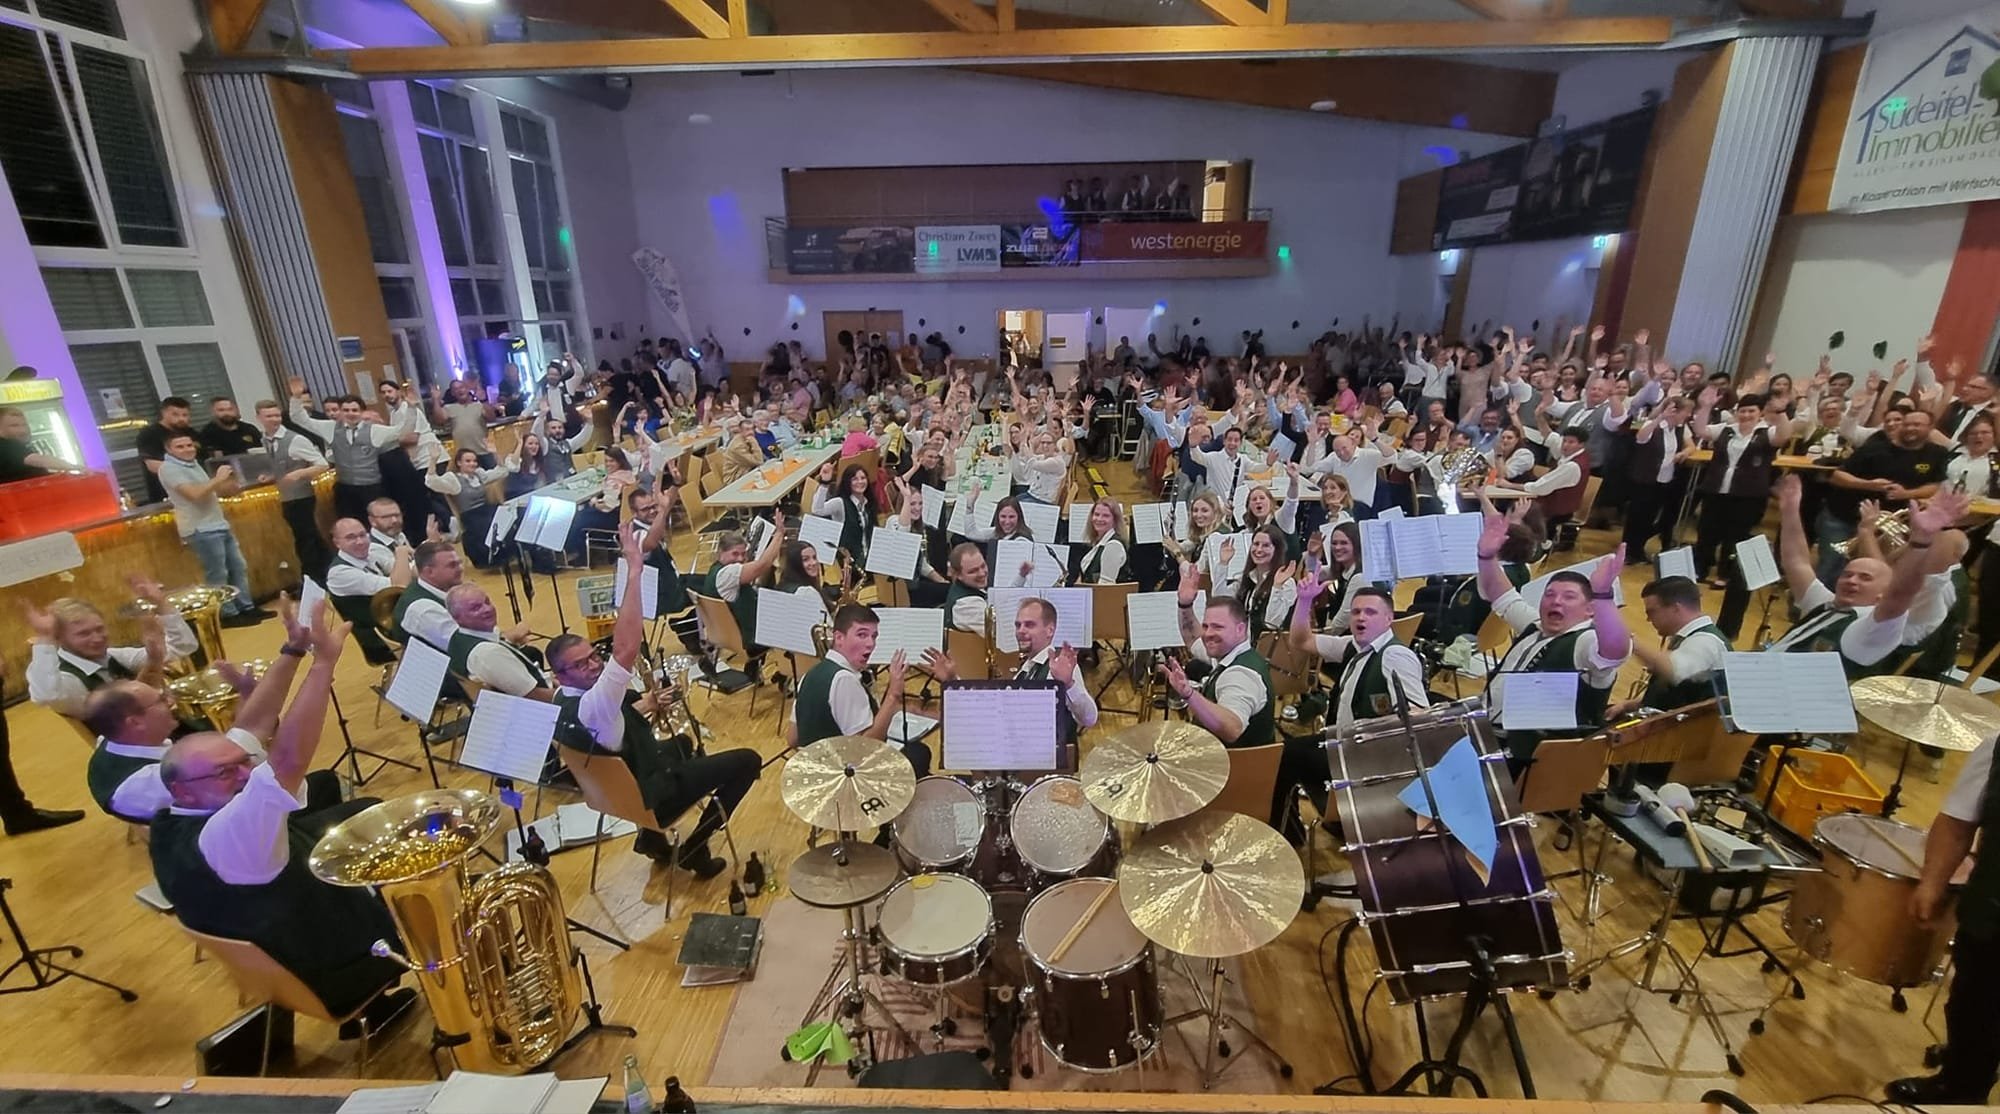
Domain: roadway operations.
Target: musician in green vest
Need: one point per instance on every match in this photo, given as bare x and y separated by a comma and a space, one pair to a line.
833, 699
1864, 616
1576, 628
497, 659
1971, 1058
1233, 701
1035, 624
965, 597
231, 851
603, 719
72, 655
1681, 669
733, 578
420, 610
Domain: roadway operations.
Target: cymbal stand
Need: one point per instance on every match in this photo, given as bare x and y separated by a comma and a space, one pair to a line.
1208, 1006
844, 999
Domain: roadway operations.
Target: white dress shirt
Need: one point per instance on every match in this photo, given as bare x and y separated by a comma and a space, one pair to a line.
1360, 472
1398, 661
245, 841
969, 614
1864, 642
427, 618
52, 685
1238, 689
1082, 705
1599, 671
846, 699
346, 576
144, 793
1694, 658
1110, 554
1930, 609
1732, 452
1566, 474
1043, 475
601, 707
1225, 472
1968, 793
498, 667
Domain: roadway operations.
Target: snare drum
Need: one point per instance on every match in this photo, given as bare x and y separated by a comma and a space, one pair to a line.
1058, 833
1854, 916
1099, 1007
942, 828
937, 929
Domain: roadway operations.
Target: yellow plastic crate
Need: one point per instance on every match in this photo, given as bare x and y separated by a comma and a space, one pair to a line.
1817, 783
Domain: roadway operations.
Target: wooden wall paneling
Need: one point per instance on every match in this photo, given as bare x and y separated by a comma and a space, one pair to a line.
1670, 191
1614, 281
334, 224
1461, 283
1969, 312
1416, 213
1827, 113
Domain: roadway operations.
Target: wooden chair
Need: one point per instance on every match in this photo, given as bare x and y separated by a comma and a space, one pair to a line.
720, 630
609, 787
1980, 667
1405, 628
1253, 777
969, 652
261, 981
1562, 772
692, 505
1566, 533
891, 592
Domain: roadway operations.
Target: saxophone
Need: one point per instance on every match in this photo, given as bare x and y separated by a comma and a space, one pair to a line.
491, 954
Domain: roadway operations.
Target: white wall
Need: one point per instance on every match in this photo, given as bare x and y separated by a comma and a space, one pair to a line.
1518, 284
1600, 86
1874, 276
702, 193
1894, 15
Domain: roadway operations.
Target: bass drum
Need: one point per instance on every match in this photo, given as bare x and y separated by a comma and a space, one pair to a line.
1098, 1007
936, 929
1854, 915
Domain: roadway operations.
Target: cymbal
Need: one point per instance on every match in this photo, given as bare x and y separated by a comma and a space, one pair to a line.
839, 875
847, 783
1927, 712
1213, 885
1154, 772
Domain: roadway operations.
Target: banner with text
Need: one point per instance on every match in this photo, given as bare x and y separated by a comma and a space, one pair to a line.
1924, 127
1582, 181
947, 249
1118, 242
871, 250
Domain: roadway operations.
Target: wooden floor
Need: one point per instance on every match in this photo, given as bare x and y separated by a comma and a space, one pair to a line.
1612, 1042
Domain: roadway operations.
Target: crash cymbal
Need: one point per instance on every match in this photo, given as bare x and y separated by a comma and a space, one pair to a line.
1927, 712
839, 875
847, 783
1154, 772
1213, 885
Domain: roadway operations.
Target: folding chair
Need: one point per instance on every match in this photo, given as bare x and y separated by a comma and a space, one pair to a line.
261, 981
972, 653
1108, 628
608, 787
1253, 777
719, 629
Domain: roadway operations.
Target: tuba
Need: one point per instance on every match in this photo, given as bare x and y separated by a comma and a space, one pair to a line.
201, 606
208, 696
1892, 529
492, 954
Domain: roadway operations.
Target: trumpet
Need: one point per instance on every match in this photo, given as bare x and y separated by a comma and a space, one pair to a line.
1892, 529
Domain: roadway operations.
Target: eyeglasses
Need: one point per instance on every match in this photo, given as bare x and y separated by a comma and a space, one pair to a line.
225, 768
574, 663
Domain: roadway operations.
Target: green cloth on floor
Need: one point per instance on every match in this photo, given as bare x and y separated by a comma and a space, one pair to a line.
823, 1038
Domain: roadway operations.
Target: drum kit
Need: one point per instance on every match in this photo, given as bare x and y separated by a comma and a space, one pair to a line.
1022, 895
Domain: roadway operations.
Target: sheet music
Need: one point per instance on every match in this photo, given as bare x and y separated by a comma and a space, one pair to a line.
1378, 556
785, 621
310, 595
473, 1093
823, 533
1179, 516
893, 553
1786, 693
1079, 521
1042, 519
1756, 562
1050, 567
577, 825
509, 736
1282, 447
934, 501
1458, 541
1147, 527
1416, 544
38, 557
1009, 554
1538, 701
1239, 558
649, 588
1675, 562
961, 517
1073, 615
390, 1100
552, 526
419, 677
1392, 513
999, 728
1153, 620
504, 520
909, 629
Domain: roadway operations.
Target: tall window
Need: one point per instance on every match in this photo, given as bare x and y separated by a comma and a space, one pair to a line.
461, 179
382, 212
544, 227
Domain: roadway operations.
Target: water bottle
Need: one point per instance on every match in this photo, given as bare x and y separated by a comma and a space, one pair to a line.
637, 1100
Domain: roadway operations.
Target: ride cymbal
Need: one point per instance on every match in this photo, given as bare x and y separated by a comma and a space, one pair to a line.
1154, 772
847, 783
1927, 712
1213, 885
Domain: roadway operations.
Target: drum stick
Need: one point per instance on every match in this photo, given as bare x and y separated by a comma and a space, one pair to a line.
1694, 841
1902, 852
1082, 922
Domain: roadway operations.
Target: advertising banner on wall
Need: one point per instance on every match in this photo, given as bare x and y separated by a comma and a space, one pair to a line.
1118, 242
665, 282
1476, 200
1577, 182
956, 249
1924, 127
1036, 245
871, 250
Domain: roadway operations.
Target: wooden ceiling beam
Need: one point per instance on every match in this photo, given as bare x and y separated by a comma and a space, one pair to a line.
967, 16
953, 47
1236, 13
739, 18
1003, 14
1517, 9
701, 17
231, 22
455, 29
1279, 11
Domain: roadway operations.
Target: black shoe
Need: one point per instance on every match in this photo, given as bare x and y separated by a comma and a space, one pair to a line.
382, 1013
696, 858
1927, 1090
32, 819
242, 619
652, 844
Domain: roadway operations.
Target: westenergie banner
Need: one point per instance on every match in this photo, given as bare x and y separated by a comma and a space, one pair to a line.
1924, 128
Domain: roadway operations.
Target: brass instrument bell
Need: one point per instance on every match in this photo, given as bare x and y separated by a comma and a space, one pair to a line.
209, 697
1892, 529
201, 607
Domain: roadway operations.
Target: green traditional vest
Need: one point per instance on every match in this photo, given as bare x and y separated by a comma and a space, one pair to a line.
814, 707
857, 528
1367, 694
1826, 640
1938, 651
744, 606
646, 762
464, 642
1093, 562
1066, 729
318, 931
1256, 599
412, 592
107, 771
954, 593
1659, 694
111, 670
1979, 902
1557, 655
673, 590
1262, 726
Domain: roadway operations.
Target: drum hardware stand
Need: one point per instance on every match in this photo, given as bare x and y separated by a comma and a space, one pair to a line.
1208, 1006
846, 997
44, 971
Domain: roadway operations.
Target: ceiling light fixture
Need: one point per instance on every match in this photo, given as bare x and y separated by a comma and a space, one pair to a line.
1324, 105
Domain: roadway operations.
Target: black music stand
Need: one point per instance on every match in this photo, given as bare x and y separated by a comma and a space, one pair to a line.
43, 970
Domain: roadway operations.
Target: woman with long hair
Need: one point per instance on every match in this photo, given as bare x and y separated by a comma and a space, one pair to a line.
1205, 517
464, 488
527, 466
1339, 552
851, 503
601, 510
1104, 561
1269, 587
1008, 524
1261, 509
800, 572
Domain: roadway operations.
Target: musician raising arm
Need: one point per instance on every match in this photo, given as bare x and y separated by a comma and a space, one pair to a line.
834, 700
1234, 701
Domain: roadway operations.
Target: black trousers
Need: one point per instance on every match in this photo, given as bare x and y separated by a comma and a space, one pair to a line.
728, 775
1724, 521
351, 500
473, 525
1302, 764
403, 482
1972, 1041
1651, 511
13, 800
301, 515
1988, 573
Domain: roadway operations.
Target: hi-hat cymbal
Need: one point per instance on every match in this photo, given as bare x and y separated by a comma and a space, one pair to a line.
847, 783
839, 875
1927, 712
1154, 772
1213, 885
